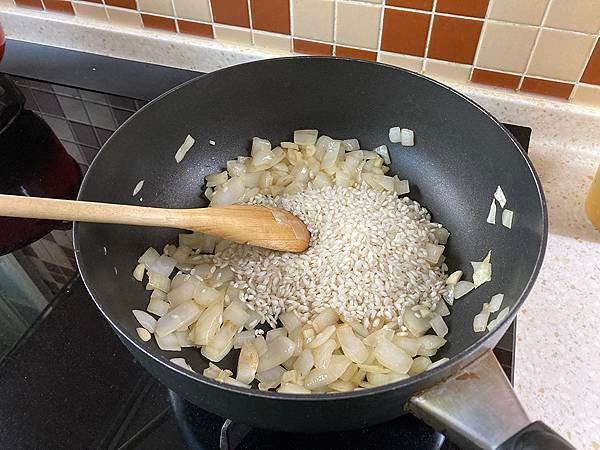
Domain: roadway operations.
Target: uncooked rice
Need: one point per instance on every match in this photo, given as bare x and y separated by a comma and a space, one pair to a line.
366, 258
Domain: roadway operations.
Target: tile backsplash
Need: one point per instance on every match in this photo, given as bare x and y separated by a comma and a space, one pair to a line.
544, 47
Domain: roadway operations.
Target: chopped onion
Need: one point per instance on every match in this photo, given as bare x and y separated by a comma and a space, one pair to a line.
442, 235
183, 337
419, 365
272, 375
168, 342
438, 325
260, 145
181, 362
322, 354
247, 363
158, 281
208, 323
236, 312
221, 343
229, 192
401, 187
392, 356
324, 319
352, 346
499, 195
480, 320
275, 332
304, 363
279, 350
507, 218
305, 137
501, 315
482, 271
442, 309
145, 320
434, 252
138, 272
454, 278
439, 362
408, 344
395, 135
407, 137
496, 302
143, 334
383, 333
292, 388
349, 373
341, 386
185, 147
149, 257
260, 344
350, 144
430, 344
137, 188
157, 306
380, 379
290, 320
462, 288
491, 218
242, 337
254, 319
289, 145
181, 316
416, 325
322, 377
164, 265
321, 338
206, 295
383, 151
216, 179
291, 376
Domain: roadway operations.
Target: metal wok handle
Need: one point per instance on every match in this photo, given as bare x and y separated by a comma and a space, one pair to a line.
477, 408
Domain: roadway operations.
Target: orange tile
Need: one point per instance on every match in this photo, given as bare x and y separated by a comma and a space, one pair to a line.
592, 70
472, 8
129, 4
158, 23
347, 52
93, 1
545, 87
60, 6
32, 4
195, 28
454, 39
231, 12
405, 32
312, 48
426, 5
492, 78
271, 15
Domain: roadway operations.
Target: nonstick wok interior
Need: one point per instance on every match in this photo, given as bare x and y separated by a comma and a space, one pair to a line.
460, 156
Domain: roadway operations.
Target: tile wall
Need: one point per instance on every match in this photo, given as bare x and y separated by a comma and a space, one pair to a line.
543, 47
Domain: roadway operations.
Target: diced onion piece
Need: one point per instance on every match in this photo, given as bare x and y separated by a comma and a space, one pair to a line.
279, 350
221, 343
383, 151
434, 252
482, 271
143, 334
491, 218
322, 337
137, 188
290, 320
439, 362
324, 319
442, 309
208, 323
145, 320
322, 354
360, 375
507, 218
254, 319
442, 235
260, 344
408, 344
349, 373
430, 344
138, 272
380, 379
164, 265
495, 303
401, 187
212, 371
454, 277
185, 147
168, 342
157, 306
181, 316
289, 145
275, 332
499, 195
236, 312
247, 363
501, 315
392, 356
183, 291
352, 346
419, 365
148, 257
292, 388
206, 295
395, 135
158, 281
181, 362
272, 375
229, 192
304, 363
416, 325
183, 337
407, 137
216, 179
260, 145
305, 137
291, 376
331, 154
480, 320
322, 377
383, 333
341, 386
438, 325
242, 337
462, 288
350, 144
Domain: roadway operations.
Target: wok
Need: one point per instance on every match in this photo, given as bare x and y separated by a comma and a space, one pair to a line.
461, 155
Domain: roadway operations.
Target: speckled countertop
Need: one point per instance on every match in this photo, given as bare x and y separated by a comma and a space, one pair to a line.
557, 360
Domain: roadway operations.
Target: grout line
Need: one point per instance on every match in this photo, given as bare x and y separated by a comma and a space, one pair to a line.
429, 31
335, 14
250, 21
479, 42
291, 9
380, 35
175, 17
587, 60
535, 44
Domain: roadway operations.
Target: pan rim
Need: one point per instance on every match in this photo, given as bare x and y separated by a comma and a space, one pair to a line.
454, 364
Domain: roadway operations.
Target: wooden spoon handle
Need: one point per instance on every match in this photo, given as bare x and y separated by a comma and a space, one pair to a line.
57, 209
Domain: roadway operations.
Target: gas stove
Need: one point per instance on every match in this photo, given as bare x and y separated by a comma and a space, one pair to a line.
91, 392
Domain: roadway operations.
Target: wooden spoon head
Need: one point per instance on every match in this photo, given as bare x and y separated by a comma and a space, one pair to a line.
261, 226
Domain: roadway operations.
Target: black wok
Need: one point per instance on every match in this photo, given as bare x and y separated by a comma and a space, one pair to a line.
461, 155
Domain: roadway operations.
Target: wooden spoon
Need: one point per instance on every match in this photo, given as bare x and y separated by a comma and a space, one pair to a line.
261, 226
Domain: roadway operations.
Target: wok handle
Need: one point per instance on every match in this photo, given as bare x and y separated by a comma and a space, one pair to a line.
478, 408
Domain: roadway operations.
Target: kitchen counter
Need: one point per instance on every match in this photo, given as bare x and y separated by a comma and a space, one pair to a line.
557, 352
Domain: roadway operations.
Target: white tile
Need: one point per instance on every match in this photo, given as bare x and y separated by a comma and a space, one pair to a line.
576, 15
518, 11
313, 19
506, 46
405, 61
240, 36
273, 41
444, 70
357, 24
587, 94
